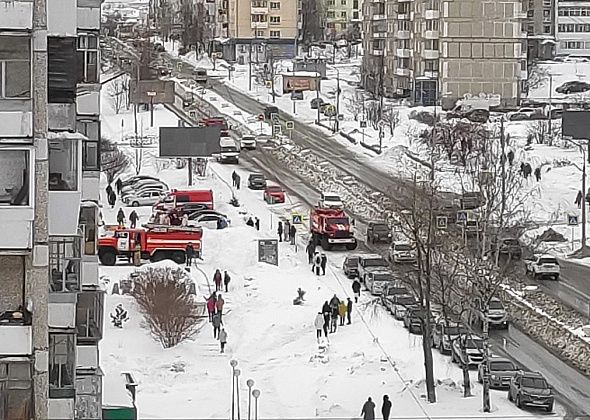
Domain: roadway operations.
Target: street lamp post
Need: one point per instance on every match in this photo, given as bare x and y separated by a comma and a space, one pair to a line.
256, 394
250, 384
337, 123
237, 373
233, 363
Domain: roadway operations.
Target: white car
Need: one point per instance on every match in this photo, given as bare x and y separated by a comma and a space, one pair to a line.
143, 183
210, 221
402, 252
331, 200
248, 141
525, 114
146, 198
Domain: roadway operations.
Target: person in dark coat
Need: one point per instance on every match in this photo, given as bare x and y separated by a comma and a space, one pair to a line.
368, 411
257, 223
292, 233
190, 254
510, 157
280, 231
334, 302
233, 178
538, 174
238, 180
287, 231
579, 198
217, 280
323, 262
317, 262
250, 222
216, 321
108, 190
527, 171
112, 198
386, 408
119, 185
334, 318
133, 218
226, 280
121, 218
349, 310
326, 311
356, 289
310, 249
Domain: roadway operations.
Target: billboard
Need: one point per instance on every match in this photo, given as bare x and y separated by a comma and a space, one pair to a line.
301, 81
268, 251
576, 125
189, 141
156, 91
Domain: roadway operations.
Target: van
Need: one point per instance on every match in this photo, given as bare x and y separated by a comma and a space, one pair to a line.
377, 278
229, 150
178, 198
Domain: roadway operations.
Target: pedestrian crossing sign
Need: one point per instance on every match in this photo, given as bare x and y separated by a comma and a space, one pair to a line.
441, 222
297, 218
462, 216
276, 129
572, 220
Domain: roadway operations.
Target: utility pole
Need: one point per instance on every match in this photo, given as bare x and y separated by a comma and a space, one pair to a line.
337, 122
36, 280
486, 357
317, 90
584, 194
272, 76
503, 163
549, 116
250, 66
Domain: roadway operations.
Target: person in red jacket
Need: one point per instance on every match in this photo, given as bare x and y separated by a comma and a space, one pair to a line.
217, 280
211, 306
219, 305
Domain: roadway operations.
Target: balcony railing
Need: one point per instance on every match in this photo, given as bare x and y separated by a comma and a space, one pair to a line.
431, 14
403, 34
379, 17
430, 54
16, 339
259, 10
378, 52
431, 34
402, 71
259, 25
62, 310
403, 52
16, 14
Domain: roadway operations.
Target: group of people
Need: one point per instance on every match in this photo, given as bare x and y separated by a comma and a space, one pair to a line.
286, 232
368, 410
215, 304
317, 260
133, 218
111, 196
526, 170
236, 180
217, 279
332, 312
253, 222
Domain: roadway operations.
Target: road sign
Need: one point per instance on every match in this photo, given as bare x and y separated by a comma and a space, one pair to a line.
462, 216
297, 95
179, 66
151, 94
192, 114
276, 129
441, 222
363, 124
268, 251
290, 125
297, 218
572, 220
260, 117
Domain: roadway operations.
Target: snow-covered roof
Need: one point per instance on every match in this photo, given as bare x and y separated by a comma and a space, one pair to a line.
302, 74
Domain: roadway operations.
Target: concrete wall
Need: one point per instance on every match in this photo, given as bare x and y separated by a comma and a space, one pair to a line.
12, 282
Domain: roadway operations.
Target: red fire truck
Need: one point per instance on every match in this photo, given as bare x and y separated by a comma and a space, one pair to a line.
330, 227
157, 243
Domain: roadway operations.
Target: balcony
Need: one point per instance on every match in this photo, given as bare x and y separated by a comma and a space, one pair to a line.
431, 74
402, 72
61, 17
17, 186
90, 275
16, 14
90, 185
379, 35
87, 357
520, 15
62, 310
378, 52
259, 25
431, 14
403, 34
403, 16
88, 18
524, 75
259, 10
15, 339
16, 123
430, 54
403, 52
431, 34
89, 395
88, 99
379, 17
61, 408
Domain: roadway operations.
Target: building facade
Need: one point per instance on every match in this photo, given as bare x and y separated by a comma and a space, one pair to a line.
541, 28
573, 28
51, 304
341, 16
437, 51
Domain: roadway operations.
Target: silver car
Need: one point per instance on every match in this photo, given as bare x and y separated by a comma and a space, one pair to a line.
143, 198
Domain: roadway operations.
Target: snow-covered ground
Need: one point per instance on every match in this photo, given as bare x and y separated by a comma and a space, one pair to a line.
273, 340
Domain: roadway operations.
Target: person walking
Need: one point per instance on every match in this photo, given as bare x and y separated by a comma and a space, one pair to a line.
280, 231
349, 310
317, 262
121, 218
323, 263
233, 178
211, 306
510, 157
334, 319
287, 231
368, 411
579, 199
133, 218
257, 223
326, 313
217, 280
292, 233
310, 249
222, 339
190, 254
216, 321
226, 280
356, 289
112, 199
386, 407
250, 222
238, 181
334, 302
342, 308
219, 306
538, 174
119, 185
108, 190
319, 324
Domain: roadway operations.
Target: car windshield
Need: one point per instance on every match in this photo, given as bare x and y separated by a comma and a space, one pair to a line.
547, 261
375, 262
229, 149
331, 198
380, 228
274, 189
502, 366
538, 383
257, 177
473, 343
406, 300
453, 330
403, 247
352, 262
396, 291
496, 304
337, 221
511, 242
382, 277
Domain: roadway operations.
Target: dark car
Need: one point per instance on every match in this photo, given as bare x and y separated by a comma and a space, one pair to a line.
501, 371
378, 232
316, 103
256, 182
269, 110
196, 214
573, 87
531, 389
474, 115
509, 246
350, 266
413, 319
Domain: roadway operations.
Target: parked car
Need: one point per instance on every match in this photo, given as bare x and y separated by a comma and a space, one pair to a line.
146, 198
543, 266
500, 370
402, 252
330, 200
508, 246
350, 266
574, 86
269, 110
195, 214
377, 278
256, 181
378, 232
399, 304
189, 208
413, 319
150, 183
497, 314
316, 103
531, 389
473, 115
370, 260
210, 221
248, 141
473, 350
273, 194
526, 114
443, 334
132, 180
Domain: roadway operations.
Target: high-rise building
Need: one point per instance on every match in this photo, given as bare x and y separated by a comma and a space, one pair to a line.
51, 305
541, 28
342, 16
573, 27
439, 50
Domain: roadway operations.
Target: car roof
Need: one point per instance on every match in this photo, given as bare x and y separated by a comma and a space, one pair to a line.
379, 270
330, 193
499, 359
532, 374
547, 256
367, 256
257, 174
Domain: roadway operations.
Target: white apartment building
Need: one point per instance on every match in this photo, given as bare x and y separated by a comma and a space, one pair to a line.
51, 305
341, 16
573, 28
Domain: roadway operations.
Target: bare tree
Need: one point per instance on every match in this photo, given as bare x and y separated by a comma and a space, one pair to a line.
355, 103
312, 29
538, 131
373, 110
117, 92
112, 160
391, 118
170, 310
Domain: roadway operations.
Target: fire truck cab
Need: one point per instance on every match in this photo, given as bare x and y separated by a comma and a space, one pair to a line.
330, 227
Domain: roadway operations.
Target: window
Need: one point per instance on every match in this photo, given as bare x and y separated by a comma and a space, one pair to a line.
343, 15
275, 5
546, 13
431, 65
275, 34
88, 222
331, 14
431, 5
63, 165
275, 19
432, 25
404, 25
403, 43
14, 177
258, 18
62, 365
64, 263
431, 44
62, 66
259, 34
15, 67
403, 8
546, 29
89, 314
403, 63
87, 58
16, 390
331, 3
90, 146
343, 2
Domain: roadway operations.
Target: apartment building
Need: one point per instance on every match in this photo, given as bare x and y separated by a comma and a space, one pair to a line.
51, 305
341, 16
541, 28
573, 28
255, 29
437, 51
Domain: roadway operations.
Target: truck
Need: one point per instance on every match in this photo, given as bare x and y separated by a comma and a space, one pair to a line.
157, 243
543, 266
330, 227
229, 151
